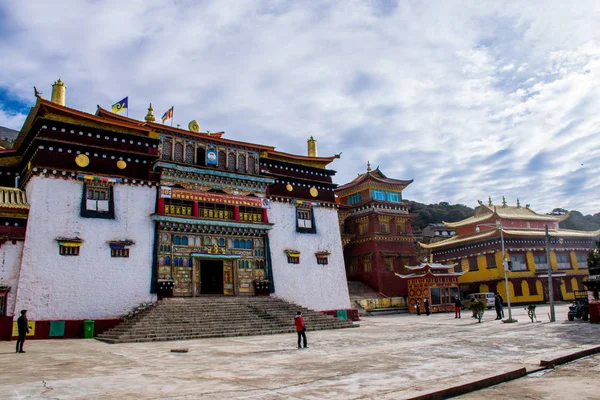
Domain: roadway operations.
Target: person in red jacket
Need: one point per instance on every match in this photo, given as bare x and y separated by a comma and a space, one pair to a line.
300, 329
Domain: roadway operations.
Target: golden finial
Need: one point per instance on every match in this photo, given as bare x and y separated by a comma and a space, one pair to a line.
150, 116
368, 166
490, 201
518, 204
312, 147
503, 202
59, 93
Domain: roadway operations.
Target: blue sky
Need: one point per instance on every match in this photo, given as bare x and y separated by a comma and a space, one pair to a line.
469, 99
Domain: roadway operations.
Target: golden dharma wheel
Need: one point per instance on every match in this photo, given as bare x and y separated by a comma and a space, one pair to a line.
289, 187
121, 164
314, 192
82, 160
194, 126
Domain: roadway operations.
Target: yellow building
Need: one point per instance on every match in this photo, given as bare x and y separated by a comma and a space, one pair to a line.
477, 251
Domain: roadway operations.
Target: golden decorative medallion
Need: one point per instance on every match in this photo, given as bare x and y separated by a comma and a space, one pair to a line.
121, 164
314, 192
289, 187
82, 160
194, 126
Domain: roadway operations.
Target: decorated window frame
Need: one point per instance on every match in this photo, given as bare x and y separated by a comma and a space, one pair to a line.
69, 246
293, 256
305, 219
4, 290
322, 257
97, 200
120, 248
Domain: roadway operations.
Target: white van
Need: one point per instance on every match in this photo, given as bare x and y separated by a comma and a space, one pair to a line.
487, 298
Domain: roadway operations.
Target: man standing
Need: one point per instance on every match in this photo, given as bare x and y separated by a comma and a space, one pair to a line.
418, 307
23, 330
498, 305
300, 329
457, 307
426, 304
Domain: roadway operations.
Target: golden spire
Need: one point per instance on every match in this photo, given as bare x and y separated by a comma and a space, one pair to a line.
312, 147
150, 116
368, 166
503, 202
59, 93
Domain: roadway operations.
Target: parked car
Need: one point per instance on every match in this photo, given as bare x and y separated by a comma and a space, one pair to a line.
487, 298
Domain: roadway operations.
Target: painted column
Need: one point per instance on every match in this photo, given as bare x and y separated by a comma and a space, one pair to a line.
265, 216
236, 213
161, 205
195, 211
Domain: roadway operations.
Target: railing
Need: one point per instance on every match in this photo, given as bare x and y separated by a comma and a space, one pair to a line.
389, 302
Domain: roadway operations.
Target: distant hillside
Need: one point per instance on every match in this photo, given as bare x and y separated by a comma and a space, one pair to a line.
7, 137
436, 213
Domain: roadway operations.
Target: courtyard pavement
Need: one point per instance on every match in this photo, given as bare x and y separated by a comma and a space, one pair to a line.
387, 357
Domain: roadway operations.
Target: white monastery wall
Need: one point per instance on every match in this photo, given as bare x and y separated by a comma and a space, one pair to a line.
10, 263
318, 287
92, 285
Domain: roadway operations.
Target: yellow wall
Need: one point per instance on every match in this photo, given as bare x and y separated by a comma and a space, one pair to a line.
484, 274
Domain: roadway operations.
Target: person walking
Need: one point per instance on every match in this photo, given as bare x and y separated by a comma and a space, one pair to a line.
498, 300
300, 329
418, 307
23, 327
457, 307
426, 304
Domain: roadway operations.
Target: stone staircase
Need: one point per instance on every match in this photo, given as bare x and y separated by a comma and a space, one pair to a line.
216, 316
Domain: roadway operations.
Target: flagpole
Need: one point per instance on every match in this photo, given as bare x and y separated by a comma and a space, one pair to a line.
172, 115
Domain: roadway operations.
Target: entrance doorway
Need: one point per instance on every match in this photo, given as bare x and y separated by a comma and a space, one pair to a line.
211, 277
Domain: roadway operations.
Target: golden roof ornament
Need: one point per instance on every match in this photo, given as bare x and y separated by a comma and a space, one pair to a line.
503, 202
194, 126
368, 166
150, 116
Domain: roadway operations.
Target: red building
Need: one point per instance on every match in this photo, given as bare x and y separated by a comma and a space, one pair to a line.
376, 231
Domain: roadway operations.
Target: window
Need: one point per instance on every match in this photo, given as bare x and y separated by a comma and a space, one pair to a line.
541, 261
518, 287
401, 228
563, 260
251, 165
304, 220
367, 265
3, 298
378, 194
97, 200
363, 228
178, 152
222, 159
184, 240
177, 240
443, 295
532, 287
167, 150
168, 261
353, 265
581, 260
384, 227
189, 154
221, 242
355, 198
394, 197
200, 156
67, 250
473, 264
178, 207
215, 211
389, 264
241, 167
293, 259
231, 162
119, 252
518, 262
490, 260
322, 260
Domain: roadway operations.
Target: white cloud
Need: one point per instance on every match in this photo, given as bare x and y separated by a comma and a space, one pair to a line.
462, 99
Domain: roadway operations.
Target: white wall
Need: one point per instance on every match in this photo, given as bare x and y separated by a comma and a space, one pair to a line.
92, 285
318, 287
10, 263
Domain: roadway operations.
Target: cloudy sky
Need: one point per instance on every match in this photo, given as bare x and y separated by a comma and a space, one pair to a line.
469, 99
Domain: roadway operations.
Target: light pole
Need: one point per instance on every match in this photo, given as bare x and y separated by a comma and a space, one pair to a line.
553, 240
498, 226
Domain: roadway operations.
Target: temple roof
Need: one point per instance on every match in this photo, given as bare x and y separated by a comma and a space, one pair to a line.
509, 232
485, 212
14, 202
375, 176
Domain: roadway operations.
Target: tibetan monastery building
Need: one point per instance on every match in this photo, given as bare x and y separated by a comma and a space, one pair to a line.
376, 231
102, 212
476, 248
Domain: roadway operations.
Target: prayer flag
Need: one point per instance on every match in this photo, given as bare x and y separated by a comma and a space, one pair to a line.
120, 105
167, 115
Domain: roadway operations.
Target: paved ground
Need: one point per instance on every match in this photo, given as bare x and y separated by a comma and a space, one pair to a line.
388, 357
